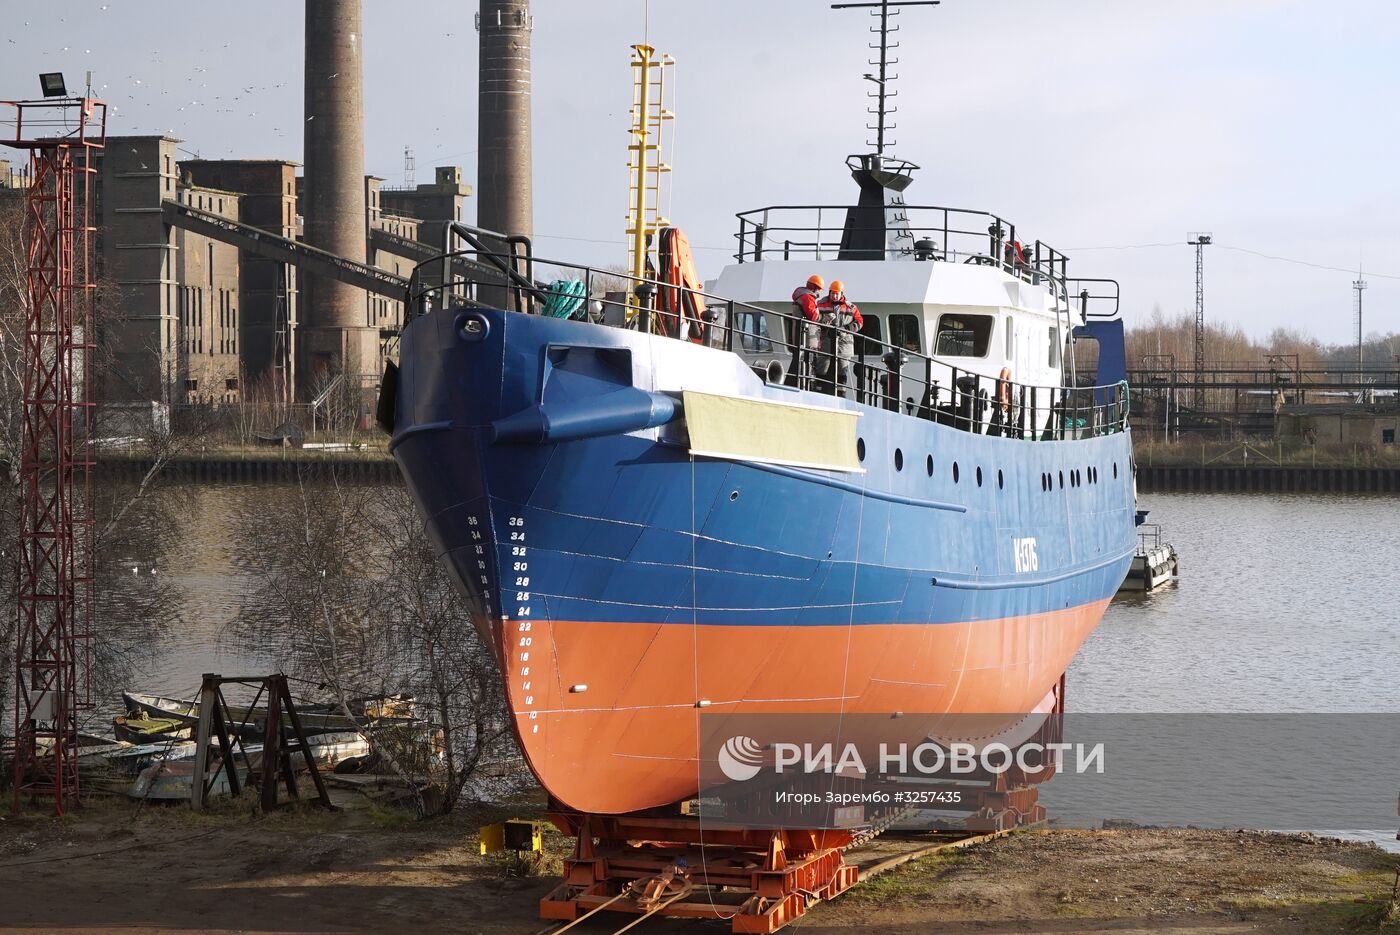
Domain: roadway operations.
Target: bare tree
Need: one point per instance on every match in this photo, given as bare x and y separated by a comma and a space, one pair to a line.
359, 604
1160, 334
428, 623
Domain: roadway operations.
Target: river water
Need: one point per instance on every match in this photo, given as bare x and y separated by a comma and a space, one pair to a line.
1287, 602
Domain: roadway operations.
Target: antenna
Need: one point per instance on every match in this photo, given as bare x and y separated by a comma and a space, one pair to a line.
884, 11
1360, 286
410, 178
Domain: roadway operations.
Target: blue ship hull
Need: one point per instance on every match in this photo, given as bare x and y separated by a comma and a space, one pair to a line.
624, 583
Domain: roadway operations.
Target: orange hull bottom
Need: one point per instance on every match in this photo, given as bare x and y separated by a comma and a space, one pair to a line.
608, 714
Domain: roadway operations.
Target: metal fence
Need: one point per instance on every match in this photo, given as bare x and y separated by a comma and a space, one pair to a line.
802, 354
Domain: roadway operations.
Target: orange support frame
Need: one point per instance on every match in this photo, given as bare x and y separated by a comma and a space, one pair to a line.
768, 877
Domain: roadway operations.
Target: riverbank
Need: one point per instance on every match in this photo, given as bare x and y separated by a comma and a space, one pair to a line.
1270, 478
364, 870
1196, 465
235, 464
1185, 466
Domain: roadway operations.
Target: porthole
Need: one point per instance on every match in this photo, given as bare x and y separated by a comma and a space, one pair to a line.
979, 477
955, 472
733, 495
1042, 481
928, 465
1062, 480
898, 460
860, 449
1001, 484
1115, 470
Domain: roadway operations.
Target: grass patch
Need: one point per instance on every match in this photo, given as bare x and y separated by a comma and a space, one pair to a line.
1380, 876
914, 880
1328, 913
389, 818
1356, 915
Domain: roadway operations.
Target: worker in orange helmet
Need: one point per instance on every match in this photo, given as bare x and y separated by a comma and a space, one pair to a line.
801, 335
839, 320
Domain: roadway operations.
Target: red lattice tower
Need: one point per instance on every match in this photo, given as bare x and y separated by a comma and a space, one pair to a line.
53, 659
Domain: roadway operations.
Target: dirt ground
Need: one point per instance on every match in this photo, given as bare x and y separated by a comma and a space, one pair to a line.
119, 868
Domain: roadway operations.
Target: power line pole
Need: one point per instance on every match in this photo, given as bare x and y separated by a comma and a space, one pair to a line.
1360, 286
410, 177
1200, 240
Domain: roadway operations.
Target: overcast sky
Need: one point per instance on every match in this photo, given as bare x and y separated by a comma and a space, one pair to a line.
1089, 123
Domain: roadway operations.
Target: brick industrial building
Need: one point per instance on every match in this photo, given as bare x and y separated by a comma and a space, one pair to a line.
192, 320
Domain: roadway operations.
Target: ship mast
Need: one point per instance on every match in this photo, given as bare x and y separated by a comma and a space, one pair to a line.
885, 11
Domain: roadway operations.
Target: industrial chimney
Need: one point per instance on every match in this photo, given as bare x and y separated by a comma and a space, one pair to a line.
333, 335
505, 199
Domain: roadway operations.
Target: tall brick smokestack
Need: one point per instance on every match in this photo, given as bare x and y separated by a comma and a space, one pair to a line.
333, 334
504, 195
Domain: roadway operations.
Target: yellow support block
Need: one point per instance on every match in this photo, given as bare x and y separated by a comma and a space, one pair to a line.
514, 835
493, 838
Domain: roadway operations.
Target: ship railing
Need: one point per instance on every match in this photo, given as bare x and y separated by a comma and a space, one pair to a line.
1149, 537
1094, 298
956, 235
798, 353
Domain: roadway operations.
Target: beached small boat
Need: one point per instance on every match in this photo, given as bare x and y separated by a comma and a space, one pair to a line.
168, 772
139, 727
174, 781
130, 759
249, 723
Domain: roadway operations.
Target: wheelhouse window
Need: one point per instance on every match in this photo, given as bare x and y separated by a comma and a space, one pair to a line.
963, 335
753, 332
868, 343
904, 333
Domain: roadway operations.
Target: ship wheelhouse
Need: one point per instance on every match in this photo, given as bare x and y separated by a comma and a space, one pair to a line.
965, 300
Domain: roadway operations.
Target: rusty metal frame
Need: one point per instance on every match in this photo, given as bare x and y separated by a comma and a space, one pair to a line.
53, 664
278, 748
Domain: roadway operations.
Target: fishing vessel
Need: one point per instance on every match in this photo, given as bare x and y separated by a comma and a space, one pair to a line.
660, 504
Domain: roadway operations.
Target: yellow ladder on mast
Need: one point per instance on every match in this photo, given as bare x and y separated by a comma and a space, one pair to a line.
653, 134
